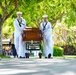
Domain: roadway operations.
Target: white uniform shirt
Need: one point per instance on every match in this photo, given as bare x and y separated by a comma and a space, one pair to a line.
48, 30
19, 29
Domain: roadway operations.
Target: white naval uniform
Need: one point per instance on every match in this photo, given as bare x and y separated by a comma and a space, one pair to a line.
47, 38
19, 44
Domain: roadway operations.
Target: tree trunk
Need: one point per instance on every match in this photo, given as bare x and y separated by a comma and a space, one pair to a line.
1, 49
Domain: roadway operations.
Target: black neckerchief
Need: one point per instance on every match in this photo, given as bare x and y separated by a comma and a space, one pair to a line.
44, 26
20, 22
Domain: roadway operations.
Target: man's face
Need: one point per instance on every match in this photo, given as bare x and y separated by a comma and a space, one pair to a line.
45, 19
19, 15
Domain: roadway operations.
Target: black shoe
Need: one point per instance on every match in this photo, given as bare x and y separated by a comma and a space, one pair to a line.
45, 57
23, 57
20, 57
49, 56
27, 55
40, 55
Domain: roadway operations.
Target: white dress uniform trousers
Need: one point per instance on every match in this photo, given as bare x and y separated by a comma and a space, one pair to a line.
19, 44
47, 38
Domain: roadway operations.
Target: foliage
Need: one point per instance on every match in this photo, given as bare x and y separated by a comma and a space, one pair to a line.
58, 51
64, 36
69, 49
71, 39
62, 11
42, 47
60, 34
8, 28
1, 56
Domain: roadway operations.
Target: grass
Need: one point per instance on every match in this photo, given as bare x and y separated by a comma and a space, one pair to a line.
66, 56
1, 56
60, 57
70, 56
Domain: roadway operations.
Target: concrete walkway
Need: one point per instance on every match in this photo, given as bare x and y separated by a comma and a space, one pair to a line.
32, 66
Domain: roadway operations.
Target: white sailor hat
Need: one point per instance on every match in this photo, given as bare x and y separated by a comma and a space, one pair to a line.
45, 16
19, 13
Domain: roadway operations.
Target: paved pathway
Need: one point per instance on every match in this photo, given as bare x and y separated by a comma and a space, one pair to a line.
32, 66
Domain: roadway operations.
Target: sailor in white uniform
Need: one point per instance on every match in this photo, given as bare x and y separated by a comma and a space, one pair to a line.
46, 29
19, 26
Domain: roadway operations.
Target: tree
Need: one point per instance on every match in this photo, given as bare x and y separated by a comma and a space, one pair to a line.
62, 10
7, 8
56, 10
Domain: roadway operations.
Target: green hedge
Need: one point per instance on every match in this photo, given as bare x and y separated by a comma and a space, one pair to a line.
58, 51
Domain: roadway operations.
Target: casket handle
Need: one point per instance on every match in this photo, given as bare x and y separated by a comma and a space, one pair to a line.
24, 35
40, 35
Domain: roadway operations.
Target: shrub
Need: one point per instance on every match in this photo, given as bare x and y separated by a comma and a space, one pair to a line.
58, 51
42, 47
69, 50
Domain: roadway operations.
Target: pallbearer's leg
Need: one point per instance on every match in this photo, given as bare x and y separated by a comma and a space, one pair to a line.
24, 47
27, 55
45, 48
40, 54
16, 43
21, 47
50, 47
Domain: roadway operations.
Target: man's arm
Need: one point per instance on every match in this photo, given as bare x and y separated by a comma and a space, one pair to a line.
16, 25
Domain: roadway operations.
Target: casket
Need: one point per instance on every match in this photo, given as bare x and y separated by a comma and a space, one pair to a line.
32, 37
32, 34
